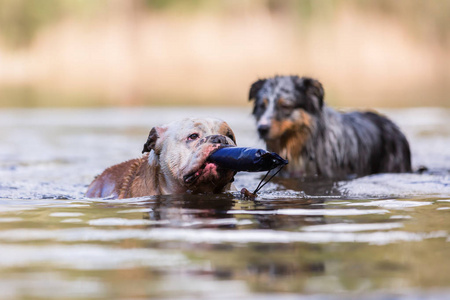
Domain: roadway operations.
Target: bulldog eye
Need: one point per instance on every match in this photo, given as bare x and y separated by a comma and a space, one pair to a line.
193, 136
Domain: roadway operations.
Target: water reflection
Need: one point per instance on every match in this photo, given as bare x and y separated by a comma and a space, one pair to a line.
266, 265
229, 211
196, 211
375, 237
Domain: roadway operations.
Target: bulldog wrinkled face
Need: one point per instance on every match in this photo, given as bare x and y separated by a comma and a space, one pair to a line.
186, 147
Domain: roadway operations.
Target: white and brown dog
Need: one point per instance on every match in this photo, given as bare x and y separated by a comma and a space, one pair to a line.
174, 163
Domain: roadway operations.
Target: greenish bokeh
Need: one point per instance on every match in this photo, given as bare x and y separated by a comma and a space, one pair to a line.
64, 52
20, 20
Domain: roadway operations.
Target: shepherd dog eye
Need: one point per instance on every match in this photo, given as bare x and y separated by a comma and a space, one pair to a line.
193, 136
287, 106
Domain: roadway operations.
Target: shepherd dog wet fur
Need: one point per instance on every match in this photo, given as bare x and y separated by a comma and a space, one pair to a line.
294, 121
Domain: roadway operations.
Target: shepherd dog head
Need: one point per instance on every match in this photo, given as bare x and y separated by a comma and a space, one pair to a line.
285, 106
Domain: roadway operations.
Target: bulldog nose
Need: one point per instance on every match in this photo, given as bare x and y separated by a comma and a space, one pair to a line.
263, 130
218, 139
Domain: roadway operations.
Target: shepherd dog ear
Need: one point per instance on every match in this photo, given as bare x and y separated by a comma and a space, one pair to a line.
314, 88
154, 138
254, 89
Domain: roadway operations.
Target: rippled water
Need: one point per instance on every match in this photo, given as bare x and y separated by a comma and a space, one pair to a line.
384, 236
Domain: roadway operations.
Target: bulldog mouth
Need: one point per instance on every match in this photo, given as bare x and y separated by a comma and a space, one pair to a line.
192, 177
208, 171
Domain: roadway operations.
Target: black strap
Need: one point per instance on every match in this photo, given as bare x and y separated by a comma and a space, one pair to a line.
259, 187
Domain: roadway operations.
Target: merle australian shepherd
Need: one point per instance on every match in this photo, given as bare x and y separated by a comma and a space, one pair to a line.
319, 141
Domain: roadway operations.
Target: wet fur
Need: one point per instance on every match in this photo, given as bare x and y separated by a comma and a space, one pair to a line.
317, 140
170, 156
132, 178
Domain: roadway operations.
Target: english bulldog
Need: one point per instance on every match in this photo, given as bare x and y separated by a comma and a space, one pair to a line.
174, 162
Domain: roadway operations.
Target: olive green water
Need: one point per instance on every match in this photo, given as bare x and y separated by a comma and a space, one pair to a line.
378, 237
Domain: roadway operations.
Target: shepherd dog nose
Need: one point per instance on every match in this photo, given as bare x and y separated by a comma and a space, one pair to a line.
263, 130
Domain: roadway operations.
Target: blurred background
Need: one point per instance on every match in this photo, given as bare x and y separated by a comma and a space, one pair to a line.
67, 53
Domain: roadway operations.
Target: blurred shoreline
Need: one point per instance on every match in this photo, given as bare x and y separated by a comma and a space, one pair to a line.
130, 56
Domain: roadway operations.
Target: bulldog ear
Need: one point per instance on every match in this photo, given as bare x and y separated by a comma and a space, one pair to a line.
254, 89
153, 137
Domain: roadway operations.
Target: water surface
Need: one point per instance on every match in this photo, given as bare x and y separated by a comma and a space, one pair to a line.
383, 236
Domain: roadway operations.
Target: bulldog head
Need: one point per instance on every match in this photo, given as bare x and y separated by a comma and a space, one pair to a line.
180, 149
